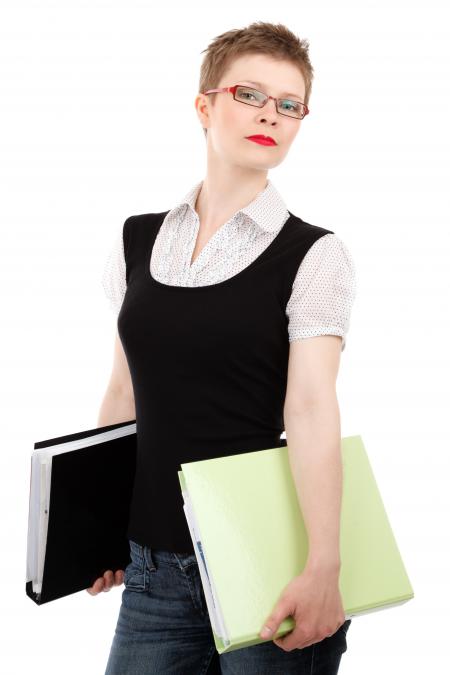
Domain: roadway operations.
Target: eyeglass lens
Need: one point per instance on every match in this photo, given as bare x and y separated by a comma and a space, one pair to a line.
254, 97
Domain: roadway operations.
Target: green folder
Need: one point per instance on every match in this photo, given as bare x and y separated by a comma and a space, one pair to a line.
250, 540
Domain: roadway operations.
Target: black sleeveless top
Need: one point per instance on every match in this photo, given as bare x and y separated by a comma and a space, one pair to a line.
208, 366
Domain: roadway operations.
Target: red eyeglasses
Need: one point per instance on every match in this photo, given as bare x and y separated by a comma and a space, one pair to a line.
250, 96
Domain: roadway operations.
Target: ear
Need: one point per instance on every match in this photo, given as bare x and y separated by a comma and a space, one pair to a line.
202, 107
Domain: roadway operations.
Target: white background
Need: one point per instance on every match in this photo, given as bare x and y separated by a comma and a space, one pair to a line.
98, 123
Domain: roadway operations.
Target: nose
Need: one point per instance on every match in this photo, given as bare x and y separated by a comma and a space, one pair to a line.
273, 109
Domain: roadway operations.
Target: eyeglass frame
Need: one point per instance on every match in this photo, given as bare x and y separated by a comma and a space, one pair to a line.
232, 90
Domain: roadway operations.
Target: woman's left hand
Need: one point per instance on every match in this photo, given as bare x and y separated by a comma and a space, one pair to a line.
314, 600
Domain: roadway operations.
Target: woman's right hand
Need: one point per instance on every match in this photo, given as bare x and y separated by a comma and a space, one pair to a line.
106, 582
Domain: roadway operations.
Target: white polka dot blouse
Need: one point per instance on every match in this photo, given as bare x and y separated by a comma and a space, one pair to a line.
324, 288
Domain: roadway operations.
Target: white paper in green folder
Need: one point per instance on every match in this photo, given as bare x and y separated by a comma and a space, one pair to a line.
250, 539
214, 611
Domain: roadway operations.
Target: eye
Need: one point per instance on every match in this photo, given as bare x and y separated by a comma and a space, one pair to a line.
289, 105
246, 93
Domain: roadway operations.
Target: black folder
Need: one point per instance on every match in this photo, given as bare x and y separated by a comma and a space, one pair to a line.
80, 494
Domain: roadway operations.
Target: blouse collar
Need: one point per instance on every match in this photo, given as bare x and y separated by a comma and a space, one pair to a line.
267, 209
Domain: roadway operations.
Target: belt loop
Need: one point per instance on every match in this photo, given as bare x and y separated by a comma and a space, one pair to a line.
149, 558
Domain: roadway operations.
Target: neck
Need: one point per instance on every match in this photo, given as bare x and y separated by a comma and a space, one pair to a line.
218, 200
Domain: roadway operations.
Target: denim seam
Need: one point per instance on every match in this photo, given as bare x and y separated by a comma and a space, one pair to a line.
208, 660
180, 564
191, 591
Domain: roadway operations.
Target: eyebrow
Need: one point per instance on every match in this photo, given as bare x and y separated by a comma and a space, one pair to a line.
259, 84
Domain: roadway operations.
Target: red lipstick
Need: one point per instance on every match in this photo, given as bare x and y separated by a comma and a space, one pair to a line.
262, 140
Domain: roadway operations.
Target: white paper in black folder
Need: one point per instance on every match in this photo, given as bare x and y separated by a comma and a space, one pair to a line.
80, 493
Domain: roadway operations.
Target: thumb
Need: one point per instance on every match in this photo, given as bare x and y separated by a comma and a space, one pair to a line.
272, 623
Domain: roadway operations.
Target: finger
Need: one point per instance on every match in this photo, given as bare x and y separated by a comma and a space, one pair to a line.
108, 576
289, 641
99, 585
267, 630
272, 623
299, 645
96, 587
118, 577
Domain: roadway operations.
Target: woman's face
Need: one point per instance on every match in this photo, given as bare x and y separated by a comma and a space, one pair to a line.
229, 121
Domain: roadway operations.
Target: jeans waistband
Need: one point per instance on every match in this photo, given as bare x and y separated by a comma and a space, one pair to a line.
153, 556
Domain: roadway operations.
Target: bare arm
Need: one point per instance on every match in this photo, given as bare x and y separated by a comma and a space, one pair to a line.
313, 434
118, 402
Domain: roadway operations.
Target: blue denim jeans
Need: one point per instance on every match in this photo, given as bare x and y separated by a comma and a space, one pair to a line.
163, 628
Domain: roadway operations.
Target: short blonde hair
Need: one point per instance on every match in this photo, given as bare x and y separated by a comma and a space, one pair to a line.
260, 37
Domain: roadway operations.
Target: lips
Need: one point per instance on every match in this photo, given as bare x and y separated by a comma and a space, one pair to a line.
263, 140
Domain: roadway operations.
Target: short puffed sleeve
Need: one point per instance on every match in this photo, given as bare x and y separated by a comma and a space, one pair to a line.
114, 273
323, 291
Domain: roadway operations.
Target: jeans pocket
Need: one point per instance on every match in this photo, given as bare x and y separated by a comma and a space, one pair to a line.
135, 577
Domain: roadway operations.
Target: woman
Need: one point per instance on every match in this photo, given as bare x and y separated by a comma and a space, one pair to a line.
232, 314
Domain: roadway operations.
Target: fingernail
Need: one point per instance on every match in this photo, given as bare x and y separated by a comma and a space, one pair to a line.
266, 631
